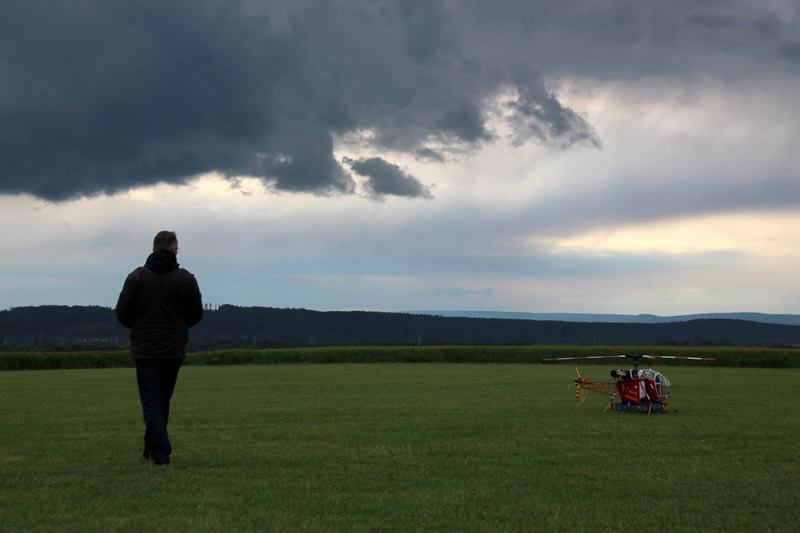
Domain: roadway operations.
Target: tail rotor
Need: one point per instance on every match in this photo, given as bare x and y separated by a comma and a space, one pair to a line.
578, 382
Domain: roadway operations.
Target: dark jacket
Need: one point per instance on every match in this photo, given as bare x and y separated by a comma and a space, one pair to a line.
159, 302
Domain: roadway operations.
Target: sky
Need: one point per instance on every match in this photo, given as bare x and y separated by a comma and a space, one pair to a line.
587, 156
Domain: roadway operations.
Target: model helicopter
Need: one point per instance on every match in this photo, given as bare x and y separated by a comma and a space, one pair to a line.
636, 389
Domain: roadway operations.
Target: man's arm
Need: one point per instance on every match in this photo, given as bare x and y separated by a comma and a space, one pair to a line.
194, 304
126, 303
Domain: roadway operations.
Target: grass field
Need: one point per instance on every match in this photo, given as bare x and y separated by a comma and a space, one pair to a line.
400, 447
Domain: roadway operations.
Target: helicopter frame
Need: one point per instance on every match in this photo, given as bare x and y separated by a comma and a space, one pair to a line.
644, 390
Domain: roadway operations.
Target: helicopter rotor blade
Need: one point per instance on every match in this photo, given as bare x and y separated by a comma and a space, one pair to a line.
584, 357
634, 357
679, 357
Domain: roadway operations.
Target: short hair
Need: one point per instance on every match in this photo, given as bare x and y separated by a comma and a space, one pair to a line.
165, 240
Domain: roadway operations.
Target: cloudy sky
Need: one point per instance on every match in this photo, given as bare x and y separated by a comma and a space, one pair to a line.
598, 156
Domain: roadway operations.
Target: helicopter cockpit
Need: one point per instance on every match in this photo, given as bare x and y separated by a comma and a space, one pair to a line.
660, 380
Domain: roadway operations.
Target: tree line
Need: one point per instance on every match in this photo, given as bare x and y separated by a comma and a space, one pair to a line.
65, 328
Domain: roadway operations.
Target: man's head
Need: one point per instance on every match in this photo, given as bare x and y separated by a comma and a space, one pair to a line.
166, 240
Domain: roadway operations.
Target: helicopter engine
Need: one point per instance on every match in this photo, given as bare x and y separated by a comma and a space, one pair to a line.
625, 375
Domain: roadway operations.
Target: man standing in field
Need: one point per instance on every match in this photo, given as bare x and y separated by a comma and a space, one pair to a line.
159, 302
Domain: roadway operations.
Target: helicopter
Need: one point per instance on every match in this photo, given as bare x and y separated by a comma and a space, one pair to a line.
636, 389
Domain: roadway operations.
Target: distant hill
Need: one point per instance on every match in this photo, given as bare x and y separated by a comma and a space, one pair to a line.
792, 320
91, 327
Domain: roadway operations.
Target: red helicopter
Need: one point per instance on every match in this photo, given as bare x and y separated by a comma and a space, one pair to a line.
637, 389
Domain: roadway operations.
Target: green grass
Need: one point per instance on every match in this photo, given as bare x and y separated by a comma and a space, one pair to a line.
399, 447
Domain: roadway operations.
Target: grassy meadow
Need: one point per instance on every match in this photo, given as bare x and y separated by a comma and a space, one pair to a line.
400, 447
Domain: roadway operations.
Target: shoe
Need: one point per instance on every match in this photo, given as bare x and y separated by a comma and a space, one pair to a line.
146, 455
162, 462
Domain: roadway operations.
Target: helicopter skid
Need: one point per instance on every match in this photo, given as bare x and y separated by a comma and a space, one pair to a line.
655, 407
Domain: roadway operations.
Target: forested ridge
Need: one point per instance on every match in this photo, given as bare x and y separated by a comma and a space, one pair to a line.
96, 327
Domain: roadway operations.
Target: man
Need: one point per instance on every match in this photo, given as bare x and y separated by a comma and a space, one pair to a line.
159, 302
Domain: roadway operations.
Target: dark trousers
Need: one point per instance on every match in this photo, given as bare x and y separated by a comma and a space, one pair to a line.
156, 381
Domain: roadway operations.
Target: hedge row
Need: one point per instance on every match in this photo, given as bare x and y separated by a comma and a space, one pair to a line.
731, 357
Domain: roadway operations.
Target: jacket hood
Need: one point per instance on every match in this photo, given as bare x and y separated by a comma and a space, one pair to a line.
162, 261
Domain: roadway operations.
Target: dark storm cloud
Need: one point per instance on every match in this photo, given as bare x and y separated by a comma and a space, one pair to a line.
537, 113
630, 39
100, 96
387, 178
426, 154
791, 50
